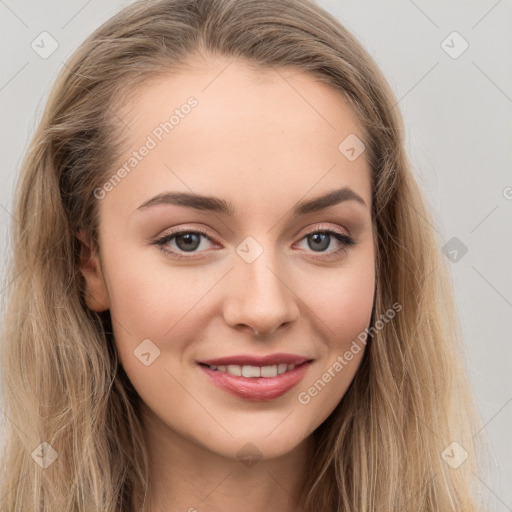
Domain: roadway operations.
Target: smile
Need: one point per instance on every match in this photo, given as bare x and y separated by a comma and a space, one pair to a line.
255, 383
253, 371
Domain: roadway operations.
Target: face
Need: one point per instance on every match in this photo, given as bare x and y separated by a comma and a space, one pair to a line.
250, 273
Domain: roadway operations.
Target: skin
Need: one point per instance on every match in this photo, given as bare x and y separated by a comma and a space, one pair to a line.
262, 140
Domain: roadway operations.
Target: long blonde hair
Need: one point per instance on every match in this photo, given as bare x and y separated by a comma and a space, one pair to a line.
384, 446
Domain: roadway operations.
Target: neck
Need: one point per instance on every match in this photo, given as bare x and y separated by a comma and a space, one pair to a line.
185, 476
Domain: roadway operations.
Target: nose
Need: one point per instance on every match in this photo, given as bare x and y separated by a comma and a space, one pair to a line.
259, 297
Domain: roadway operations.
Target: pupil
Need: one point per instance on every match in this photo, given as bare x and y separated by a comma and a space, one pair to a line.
317, 237
190, 239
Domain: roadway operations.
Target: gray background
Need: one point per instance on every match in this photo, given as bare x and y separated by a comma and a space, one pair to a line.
458, 121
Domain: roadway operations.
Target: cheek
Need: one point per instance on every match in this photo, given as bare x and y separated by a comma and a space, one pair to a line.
342, 299
149, 300
146, 301
342, 303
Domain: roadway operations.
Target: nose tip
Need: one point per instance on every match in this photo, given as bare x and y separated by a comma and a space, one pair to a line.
263, 333
264, 304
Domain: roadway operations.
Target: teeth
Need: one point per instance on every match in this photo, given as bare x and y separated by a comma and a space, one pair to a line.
269, 371
281, 368
251, 371
254, 371
234, 369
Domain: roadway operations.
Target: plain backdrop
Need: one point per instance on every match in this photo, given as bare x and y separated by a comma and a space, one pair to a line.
449, 64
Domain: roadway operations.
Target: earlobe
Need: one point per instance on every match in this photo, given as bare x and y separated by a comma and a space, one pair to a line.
96, 296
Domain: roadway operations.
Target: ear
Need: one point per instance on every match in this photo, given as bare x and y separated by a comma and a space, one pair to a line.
96, 296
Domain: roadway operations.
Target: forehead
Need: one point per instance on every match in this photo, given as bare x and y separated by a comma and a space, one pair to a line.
253, 133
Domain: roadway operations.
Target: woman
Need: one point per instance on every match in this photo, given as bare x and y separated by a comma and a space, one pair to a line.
225, 288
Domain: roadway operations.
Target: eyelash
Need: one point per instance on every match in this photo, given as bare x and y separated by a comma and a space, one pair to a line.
346, 241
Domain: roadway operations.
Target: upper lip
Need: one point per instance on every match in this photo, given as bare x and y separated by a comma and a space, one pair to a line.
248, 360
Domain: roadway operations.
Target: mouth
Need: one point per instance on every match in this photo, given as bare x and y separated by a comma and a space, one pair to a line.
256, 382
251, 372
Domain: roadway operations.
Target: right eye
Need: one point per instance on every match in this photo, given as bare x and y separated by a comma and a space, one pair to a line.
185, 240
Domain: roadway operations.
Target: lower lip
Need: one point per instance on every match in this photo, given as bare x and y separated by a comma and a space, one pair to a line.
257, 388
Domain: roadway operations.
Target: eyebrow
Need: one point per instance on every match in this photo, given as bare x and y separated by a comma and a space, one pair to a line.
217, 205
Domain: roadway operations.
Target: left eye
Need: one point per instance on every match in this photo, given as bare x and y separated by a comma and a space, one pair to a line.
321, 240
190, 241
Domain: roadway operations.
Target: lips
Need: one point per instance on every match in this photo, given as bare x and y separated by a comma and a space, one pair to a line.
251, 360
256, 378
